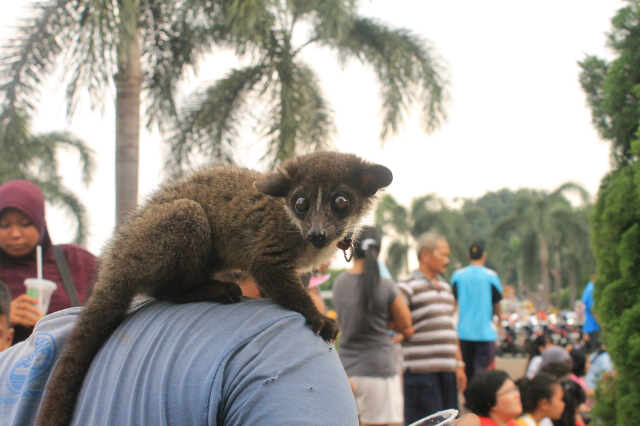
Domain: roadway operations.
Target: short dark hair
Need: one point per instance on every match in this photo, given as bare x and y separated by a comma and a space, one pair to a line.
557, 369
476, 250
532, 391
578, 362
481, 394
5, 300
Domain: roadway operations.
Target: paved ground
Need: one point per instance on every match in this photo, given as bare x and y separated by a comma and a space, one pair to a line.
514, 366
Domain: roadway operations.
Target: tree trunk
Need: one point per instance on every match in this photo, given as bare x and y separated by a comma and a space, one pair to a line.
544, 273
556, 287
128, 85
573, 293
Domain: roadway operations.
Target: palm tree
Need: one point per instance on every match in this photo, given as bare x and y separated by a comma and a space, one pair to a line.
135, 45
34, 157
539, 217
394, 221
283, 92
573, 257
427, 213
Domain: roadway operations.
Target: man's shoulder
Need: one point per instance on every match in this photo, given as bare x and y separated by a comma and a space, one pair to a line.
490, 271
413, 276
443, 283
250, 313
460, 271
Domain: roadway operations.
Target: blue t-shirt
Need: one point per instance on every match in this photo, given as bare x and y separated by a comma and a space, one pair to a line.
474, 288
590, 324
246, 363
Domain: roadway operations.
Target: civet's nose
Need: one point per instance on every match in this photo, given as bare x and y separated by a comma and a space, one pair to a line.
317, 238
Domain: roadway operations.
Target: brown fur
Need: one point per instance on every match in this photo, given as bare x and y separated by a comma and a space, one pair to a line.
218, 219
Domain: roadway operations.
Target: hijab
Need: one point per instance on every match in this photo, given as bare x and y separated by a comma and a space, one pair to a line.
26, 196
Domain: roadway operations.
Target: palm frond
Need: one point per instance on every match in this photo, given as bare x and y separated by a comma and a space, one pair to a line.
329, 19
508, 225
30, 54
210, 120
176, 36
575, 188
300, 119
390, 213
397, 258
85, 30
407, 69
34, 157
61, 197
58, 140
426, 204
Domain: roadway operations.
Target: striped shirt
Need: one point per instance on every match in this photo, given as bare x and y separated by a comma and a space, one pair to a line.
434, 345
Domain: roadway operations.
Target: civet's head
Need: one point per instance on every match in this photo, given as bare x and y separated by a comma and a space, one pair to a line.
326, 193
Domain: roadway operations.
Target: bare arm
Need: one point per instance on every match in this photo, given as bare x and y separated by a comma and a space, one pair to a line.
401, 317
497, 310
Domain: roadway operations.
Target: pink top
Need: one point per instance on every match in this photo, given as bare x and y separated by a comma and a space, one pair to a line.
580, 381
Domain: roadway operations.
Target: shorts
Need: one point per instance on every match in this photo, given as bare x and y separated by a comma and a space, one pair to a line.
379, 399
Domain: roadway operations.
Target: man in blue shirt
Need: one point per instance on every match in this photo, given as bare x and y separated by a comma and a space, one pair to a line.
247, 363
590, 328
478, 292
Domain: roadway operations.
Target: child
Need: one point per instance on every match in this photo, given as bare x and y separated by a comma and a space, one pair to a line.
6, 331
541, 397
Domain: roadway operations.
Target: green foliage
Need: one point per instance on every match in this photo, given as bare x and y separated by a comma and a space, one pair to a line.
613, 92
613, 88
328, 285
616, 224
35, 157
514, 225
282, 93
604, 412
553, 236
427, 213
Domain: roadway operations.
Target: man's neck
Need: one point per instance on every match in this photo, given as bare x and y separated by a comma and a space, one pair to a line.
477, 262
428, 273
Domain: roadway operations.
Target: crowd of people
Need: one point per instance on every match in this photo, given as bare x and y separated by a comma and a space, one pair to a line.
448, 346
409, 349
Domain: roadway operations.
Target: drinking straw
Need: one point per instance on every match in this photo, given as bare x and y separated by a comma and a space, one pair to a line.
39, 260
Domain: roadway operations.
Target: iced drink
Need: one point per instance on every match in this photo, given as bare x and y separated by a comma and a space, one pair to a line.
40, 289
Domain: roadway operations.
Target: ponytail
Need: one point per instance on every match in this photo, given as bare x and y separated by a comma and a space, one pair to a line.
367, 247
534, 390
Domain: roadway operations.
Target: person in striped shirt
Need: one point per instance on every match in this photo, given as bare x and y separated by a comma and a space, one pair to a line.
434, 370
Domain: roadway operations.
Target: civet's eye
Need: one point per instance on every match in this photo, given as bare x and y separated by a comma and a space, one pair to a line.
341, 204
301, 205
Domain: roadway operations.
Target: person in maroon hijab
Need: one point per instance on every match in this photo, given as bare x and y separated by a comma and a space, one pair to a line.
22, 228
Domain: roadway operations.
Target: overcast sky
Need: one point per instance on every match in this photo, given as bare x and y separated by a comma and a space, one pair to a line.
517, 114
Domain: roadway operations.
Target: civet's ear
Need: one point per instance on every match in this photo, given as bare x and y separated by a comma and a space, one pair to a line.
276, 184
374, 177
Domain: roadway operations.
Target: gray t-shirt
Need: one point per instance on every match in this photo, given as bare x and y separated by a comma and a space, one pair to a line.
365, 345
247, 363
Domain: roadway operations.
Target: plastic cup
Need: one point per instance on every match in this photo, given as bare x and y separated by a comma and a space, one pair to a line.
441, 418
40, 289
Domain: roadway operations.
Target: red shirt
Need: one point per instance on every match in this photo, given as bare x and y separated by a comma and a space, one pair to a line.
486, 421
82, 265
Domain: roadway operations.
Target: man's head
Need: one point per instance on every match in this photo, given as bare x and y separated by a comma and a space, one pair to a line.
433, 254
476, 252
6, 331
